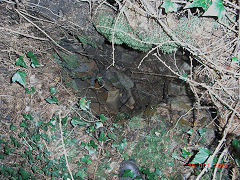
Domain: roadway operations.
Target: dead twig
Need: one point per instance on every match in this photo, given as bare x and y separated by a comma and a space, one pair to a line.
113, 35
49, 37
23, 34
219, 161
63, 144
208, 88
220, 144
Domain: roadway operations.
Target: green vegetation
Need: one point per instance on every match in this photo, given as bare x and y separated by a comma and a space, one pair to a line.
236, 152
154, 150
108, 25
123, 33
85, 40
46, 147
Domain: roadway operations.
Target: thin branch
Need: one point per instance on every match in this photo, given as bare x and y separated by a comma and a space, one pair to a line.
64, 149
180, 119
49, 37
5, 95
193, 50
232, 4
218, 148
219, 161
153, 49
209, 89
113, 35
44, 20
23, 34
37, 5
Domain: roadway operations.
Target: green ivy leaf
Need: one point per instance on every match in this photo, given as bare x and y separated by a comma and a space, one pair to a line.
23, 174
34, 169
45, 136
201, 156
53, 137
52, 122
128, 173
235, 59
216, 9
35, 138
83, 144
112, 136
199, 3
190, 131
90, 129
64, 121
38, 123
52, 100
27, 116
20, 62
236, 152
158, 172
7, 150
92, 143
150, 175
33, 89
170, 164
28, 91
137, 178
53, 128
103, 118
99, 125
236, 145
84, 104
2, 141
185, 153
33, 58
22, 134
40, 146
76, 121
202, 131
85, 40
24, 124
122, 145
81, 174
12, 127
102, 136
86, 159
52, 90
169, 6
90, 150
20, 77
14, 141
99, 79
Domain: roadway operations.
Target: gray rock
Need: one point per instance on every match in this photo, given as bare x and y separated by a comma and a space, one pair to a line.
125, 81
119, 79
175, 89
